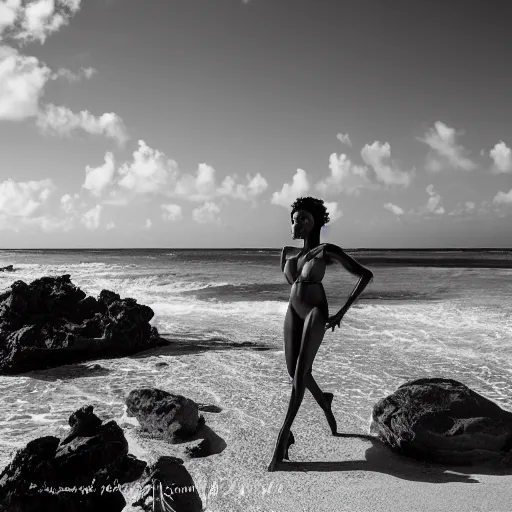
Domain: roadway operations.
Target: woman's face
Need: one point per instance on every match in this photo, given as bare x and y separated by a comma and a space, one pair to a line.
302, 224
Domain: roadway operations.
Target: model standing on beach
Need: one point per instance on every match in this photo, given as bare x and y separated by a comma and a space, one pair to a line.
307, 317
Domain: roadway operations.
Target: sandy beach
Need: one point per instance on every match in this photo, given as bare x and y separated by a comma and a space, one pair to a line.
325, 473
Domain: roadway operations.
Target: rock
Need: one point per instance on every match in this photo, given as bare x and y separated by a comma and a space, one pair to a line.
81, 473
8, 268
442, 420
174, 488
51, 322
161, 413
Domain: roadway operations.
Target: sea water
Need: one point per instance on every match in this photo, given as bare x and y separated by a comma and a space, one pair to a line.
410, 322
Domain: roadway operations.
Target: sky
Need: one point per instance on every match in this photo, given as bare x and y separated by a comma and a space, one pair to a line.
197, 123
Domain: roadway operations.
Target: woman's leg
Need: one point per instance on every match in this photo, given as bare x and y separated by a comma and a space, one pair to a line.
312, 336
293, 328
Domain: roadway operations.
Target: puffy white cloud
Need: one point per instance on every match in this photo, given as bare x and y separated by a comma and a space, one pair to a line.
35, 20
72, 77
289, 193
345, 177
98, 178
503, 197
447, 152
68, 203
203, 186
463, 208
22, 199
25, 204
9, 10
433, 204
393, 208
344, 139
171, 212
91, 218
334, 212
110, 225
206, 214
502, 157
375, 155
63, 121
149, 172
148, 223
22, 81
255, 186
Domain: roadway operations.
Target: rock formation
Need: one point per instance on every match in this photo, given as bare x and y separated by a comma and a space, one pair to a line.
81, 473
51, 322
442, 420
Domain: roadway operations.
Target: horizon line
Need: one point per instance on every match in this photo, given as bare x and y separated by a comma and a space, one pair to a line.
250, 248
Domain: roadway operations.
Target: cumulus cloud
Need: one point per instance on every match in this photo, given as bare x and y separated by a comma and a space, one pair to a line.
23, 198
68, 203
149, 172
393, 208
345, 177
98, 178
463, 208
22, 81
254, 187
503, 197
334, 212
91, 218
35, 20
375, 155
206, 214
433, 204
62, 121
502, 158
72, 77
148, 223
446, 151
25, 204
22, 84
289, 193
110, 225
344, 139
171, 212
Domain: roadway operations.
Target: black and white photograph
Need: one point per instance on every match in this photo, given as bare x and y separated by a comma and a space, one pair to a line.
255, 256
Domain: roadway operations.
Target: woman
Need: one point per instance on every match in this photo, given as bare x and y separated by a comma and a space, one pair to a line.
307, 317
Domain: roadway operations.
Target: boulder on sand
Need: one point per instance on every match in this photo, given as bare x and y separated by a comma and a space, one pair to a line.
81, 473
51, 322
168, 486
443, 421
162, 413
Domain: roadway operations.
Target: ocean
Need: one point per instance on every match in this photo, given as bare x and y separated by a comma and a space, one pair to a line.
420, 317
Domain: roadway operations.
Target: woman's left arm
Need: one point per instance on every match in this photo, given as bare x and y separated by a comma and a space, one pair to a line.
365, 276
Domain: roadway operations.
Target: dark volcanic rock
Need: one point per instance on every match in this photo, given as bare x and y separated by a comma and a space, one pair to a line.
442, 420
82, 473
162, 413
50, 322
173, 487
8, 268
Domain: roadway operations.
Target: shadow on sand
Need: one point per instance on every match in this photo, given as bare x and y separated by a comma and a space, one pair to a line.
88, 367
183, 347
381, 459
68, 372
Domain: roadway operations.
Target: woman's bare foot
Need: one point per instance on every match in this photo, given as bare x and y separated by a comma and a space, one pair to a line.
278, 457
329, 415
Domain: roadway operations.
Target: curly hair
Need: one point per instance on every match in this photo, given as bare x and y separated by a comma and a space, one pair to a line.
314, 206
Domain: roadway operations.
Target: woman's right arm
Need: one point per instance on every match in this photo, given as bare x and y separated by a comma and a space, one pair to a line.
283, 255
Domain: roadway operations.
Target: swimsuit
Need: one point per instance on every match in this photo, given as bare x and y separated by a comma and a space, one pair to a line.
311, 272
